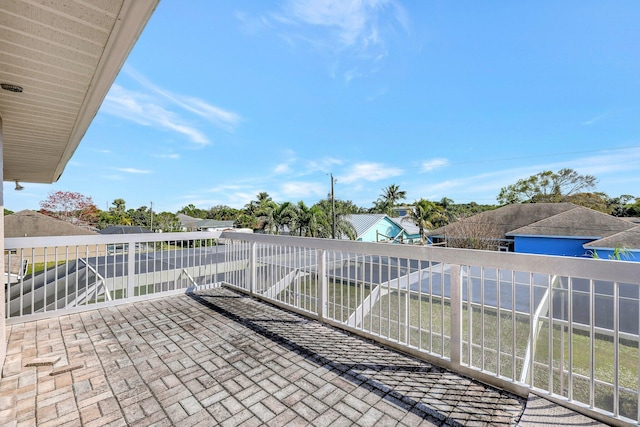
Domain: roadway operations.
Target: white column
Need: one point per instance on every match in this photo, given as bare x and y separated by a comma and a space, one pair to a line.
3, 324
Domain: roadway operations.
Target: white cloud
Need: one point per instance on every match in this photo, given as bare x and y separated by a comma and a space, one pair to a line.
167, 156
297, 189
160, 108
146, 111
595, 119
321, 165
349, 22
133, 170
484, 187
358, 32
612, 161
222, 118
282, 168
429, 165
369, 172
225, 187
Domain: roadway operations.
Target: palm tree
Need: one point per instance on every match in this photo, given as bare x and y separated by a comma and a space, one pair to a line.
284, 216
426, 215
389, 199
301, 222
265, 215
345, 228
261, 200
393, 194
311, 221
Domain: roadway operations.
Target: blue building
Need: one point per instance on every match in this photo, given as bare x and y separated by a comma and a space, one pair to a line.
380, 228
568, 233
562, 229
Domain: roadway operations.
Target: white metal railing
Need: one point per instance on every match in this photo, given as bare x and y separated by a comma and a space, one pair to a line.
75, 273
565, 328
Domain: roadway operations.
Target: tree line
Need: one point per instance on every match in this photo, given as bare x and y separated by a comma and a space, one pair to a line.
326, 218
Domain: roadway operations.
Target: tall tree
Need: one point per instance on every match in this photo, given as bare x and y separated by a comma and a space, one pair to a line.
167, 222
311, 221
620, 206
343, 227
389, 199
70, 206
426, 215
223, 213
547, 187
193, 212
284, 216
117, 214
343, 207
265, 215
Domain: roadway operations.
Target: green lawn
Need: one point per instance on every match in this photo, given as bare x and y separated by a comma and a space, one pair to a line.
41, 266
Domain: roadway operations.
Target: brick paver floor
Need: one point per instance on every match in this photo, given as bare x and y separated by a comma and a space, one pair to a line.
221, 358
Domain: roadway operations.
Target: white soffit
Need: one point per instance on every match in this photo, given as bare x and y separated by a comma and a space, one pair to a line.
65, 55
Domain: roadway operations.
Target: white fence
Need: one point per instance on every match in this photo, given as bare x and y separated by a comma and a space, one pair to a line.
76, 273
565, 328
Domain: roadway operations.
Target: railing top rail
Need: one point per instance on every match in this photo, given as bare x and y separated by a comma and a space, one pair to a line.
98, 239
597, 269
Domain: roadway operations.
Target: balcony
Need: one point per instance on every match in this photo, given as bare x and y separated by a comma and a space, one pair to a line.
273, 330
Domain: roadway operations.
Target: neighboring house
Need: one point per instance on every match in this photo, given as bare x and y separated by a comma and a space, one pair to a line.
196, 224
212, 225
29, 223
625, 245
378, 228
187, 222
411, 229
561, 229
567, 233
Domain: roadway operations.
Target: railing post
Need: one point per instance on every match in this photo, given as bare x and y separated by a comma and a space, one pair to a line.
322, 284
456, 313
131, 269
253, 268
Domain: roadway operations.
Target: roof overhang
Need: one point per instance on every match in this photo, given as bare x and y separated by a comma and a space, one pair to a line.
65, 56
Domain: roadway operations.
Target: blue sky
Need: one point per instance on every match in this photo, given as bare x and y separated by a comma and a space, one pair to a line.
221, 100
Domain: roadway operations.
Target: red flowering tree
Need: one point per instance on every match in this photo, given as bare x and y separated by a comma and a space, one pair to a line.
70, 206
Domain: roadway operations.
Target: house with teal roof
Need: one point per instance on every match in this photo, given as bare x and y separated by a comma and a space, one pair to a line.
381, 228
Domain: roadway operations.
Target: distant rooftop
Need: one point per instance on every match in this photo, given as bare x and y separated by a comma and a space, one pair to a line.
124, 229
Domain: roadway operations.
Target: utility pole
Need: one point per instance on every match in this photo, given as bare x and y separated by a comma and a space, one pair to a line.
151, 216
333, 210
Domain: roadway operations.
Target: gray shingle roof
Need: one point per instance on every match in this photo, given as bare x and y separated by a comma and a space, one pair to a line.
629, 239
509, 217
29, 223
576, 222
212, 223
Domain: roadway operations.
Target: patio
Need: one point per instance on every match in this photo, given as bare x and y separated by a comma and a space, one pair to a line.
218, 357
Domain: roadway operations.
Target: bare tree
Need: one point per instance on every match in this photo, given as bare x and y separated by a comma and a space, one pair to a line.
473, 233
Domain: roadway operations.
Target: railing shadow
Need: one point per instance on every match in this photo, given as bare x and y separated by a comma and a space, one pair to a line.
427, 391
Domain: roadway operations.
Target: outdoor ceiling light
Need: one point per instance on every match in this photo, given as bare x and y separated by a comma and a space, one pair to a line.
11, 88
18, 186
